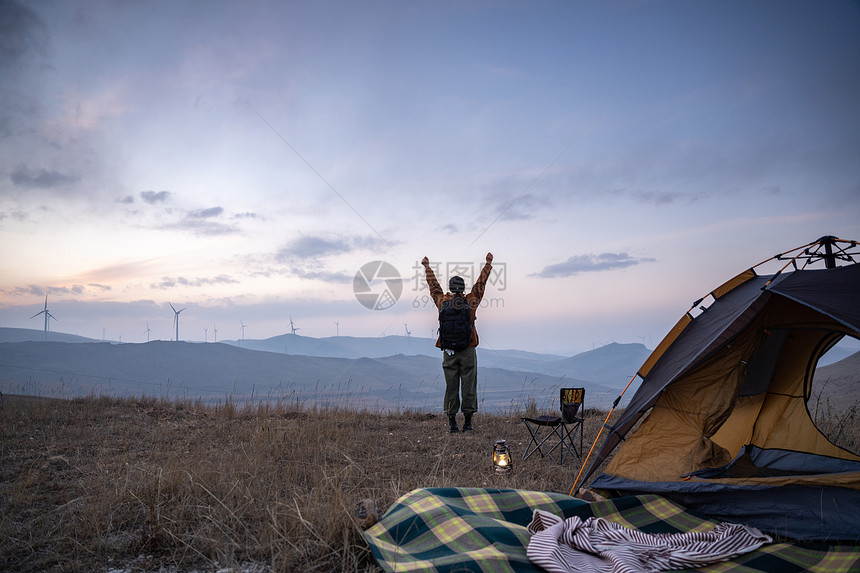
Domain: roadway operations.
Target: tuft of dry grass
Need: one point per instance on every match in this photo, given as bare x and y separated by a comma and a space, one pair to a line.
142, 484
836, 421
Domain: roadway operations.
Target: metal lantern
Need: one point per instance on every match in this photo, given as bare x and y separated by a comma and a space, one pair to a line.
502, 457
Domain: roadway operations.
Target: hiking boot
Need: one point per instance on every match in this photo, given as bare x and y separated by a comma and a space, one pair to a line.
452, 425
467, 423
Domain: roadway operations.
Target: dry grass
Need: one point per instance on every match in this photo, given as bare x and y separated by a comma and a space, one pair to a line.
136, 485
837, 421
145, 485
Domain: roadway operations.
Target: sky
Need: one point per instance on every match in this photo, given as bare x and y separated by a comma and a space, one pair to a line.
260, 162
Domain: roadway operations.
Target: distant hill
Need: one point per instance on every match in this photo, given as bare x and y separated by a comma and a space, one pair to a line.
30, 335
215, 371
835, 354
386, 372
356, 347
838, 385
613, 364
340, 346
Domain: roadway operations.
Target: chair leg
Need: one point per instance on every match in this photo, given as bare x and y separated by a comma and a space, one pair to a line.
535, 441
554, 431
581, 432
569, 446
539, 441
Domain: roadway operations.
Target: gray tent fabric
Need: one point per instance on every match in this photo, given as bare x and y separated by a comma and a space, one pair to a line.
777, 509
801, 513
761, 367
832, 292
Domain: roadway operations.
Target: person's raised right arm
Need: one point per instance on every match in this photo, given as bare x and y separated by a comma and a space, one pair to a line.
436, 291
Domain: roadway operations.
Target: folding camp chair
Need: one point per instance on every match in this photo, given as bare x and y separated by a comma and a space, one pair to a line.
562, 429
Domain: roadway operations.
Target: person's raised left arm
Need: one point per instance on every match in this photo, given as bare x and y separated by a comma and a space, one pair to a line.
481, 283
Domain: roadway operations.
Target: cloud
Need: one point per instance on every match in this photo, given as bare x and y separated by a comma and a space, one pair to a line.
22, 32
39, 291
40, 178
661, 198
202, 227
311, 248
591, 263
153, 197
119, 272
172, 282
314, 247
36, 290
16, 215
24, 43
205, 213
24, 49
301, 257
337, 277
74, 289
202, 222
24, 290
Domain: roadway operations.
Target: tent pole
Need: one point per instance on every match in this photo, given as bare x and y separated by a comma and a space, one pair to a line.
778, 256
597, 439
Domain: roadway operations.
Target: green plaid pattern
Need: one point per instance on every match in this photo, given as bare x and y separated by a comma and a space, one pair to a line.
472, 529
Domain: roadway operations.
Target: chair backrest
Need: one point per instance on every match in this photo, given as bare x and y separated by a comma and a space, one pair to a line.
571, 400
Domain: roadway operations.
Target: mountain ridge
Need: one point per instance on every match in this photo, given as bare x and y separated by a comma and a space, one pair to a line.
69, 366
376, 369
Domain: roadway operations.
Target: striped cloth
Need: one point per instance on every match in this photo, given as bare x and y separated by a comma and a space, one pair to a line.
486, 530
569, 545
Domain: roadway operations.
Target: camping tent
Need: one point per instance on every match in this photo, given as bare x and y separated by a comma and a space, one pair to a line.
720, 421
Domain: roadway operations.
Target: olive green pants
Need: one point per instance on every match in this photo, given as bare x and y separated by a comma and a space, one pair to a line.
461, 374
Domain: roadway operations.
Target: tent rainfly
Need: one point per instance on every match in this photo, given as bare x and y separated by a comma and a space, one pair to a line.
720, 422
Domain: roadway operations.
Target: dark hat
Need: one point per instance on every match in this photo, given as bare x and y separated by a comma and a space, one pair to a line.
456, 284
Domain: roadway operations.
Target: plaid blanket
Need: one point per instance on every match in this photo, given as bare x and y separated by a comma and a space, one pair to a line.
470, 529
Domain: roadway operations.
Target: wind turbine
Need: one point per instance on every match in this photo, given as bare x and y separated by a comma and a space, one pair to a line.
47, 314
205, 334
408, 336
147, 331
293, 328
337, 328
215, 333
243, 332
176, 320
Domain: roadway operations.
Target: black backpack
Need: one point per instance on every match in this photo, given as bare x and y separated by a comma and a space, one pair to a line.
455, 323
